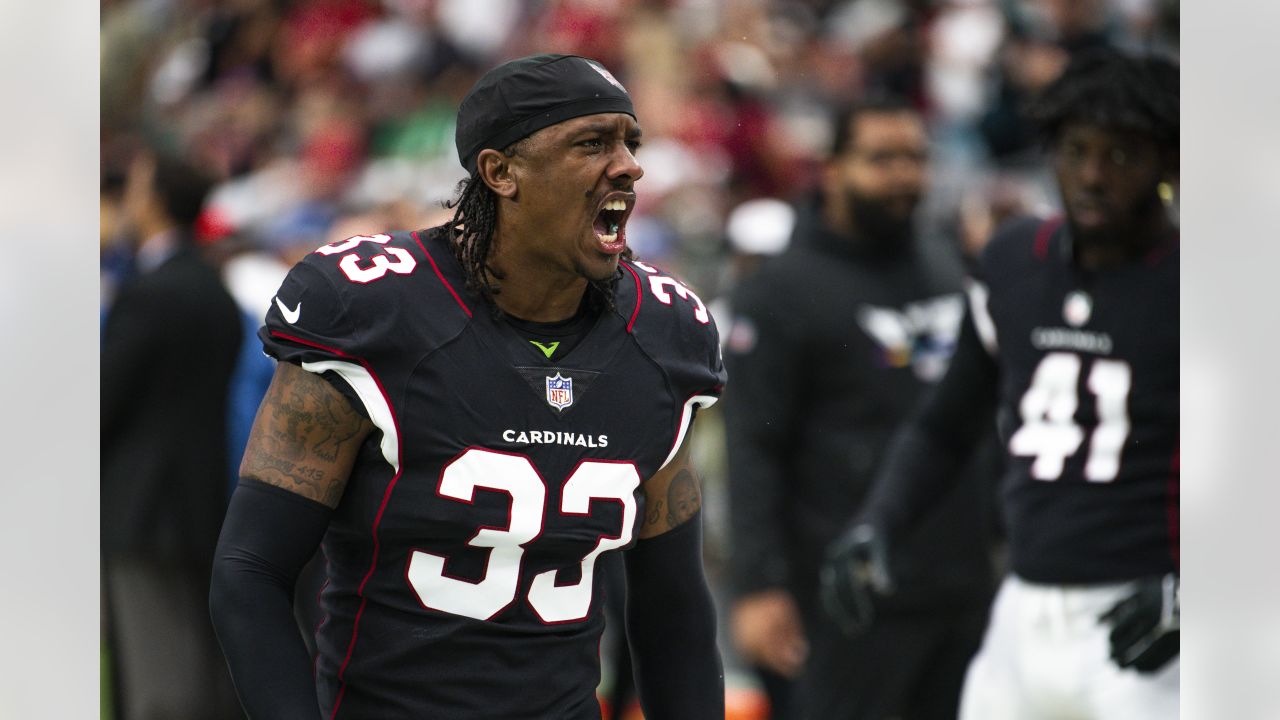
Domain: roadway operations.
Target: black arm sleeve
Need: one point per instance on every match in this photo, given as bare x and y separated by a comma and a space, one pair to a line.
928, 452
268, 535
671, 625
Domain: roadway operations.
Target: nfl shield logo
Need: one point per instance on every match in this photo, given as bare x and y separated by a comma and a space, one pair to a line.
560, 391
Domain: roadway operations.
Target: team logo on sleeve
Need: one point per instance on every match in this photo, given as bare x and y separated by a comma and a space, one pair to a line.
559, 391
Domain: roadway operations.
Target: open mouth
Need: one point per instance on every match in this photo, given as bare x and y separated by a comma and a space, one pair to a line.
610, 225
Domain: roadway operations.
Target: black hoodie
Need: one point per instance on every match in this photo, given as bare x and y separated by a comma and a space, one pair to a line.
830, 348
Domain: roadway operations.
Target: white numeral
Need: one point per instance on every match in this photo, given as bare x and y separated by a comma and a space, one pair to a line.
1049, 432
591, 481
351, 243
658, 286
403, 264
1109, 380
381, 263
482, 600
516, 475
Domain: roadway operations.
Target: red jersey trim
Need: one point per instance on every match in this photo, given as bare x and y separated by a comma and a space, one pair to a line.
440, 275
1043, 234
639, 295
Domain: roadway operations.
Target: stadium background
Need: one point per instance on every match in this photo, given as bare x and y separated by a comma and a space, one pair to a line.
329, 118
47, 140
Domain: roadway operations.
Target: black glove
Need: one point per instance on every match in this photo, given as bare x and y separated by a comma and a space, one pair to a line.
1144, 626
856, 566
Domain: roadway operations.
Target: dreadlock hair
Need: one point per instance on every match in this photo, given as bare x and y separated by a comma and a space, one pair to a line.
475, 218
471, 231
1110, 88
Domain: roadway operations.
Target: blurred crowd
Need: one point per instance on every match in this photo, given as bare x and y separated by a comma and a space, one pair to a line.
317, 120
327, 118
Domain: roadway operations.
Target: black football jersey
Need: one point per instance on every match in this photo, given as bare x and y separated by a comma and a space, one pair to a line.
461, 558
1088, 404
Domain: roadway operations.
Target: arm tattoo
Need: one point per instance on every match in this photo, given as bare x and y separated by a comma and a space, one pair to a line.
672, 496
683, 497
653, 514
304, 437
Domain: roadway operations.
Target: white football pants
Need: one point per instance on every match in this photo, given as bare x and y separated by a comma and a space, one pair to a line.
1045, 656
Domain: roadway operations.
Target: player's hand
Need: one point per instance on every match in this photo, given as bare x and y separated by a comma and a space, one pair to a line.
857, 565
767, 631
1144, 626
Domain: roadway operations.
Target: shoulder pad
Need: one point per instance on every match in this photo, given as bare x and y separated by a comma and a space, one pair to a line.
673, 326
1018, 242
366, 295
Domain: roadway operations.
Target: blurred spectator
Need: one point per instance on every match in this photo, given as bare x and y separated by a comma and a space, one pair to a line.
169, 345
831, 345
1043, 36
888, 37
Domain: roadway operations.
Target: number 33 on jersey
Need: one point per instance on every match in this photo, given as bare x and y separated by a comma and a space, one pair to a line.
481, 508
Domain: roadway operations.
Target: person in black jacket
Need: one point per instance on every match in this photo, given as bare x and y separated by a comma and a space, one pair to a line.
169, 344
831, 345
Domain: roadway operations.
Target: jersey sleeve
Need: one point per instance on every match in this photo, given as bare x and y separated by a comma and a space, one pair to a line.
348, 300
1003, 259
308, 320
340, 313
697, 369
675, 328
701, 371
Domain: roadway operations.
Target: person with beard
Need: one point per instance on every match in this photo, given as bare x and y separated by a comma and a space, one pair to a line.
832, 344
1071, 336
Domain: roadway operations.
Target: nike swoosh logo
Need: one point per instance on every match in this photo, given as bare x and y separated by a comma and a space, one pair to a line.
546, 349
290, 316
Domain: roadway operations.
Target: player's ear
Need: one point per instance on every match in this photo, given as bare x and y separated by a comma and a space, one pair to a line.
495, 170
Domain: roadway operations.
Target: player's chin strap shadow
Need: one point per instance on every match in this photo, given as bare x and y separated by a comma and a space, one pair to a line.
856, 568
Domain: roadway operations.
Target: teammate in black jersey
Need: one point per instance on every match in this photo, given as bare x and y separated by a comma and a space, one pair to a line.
1072, 338
468, 416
